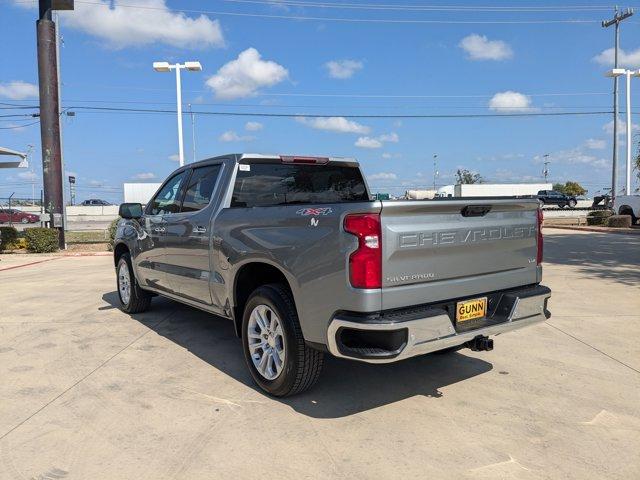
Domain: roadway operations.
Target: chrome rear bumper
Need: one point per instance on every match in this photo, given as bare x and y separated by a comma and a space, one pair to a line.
431, 328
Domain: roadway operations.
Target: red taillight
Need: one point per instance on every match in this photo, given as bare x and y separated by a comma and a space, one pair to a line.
365, 264
540, 217
304, 160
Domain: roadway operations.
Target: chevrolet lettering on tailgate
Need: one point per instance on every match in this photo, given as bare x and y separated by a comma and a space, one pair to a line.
461, 237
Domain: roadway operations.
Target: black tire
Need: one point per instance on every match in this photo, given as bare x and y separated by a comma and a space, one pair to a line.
139, 300
572, 203
302, 364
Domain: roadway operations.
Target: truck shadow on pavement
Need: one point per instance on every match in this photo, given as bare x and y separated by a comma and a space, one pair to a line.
345, 387
610, 256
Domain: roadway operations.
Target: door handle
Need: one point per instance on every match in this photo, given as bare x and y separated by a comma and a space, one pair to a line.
159, 229
199, 229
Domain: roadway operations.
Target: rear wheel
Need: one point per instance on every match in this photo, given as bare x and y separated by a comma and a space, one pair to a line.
278, 358
133, 299
572, 203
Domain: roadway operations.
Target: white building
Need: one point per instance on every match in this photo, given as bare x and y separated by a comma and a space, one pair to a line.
140, 192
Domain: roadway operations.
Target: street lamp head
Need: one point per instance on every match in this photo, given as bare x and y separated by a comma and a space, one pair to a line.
193, 66
161, 66
636, 73
615, 72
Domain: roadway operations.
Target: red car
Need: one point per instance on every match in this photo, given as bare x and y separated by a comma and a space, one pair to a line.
11, 215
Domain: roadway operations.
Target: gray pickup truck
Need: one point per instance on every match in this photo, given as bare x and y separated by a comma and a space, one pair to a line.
295, 252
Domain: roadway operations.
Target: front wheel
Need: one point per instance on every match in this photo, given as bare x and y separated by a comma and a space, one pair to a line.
278, 358
24, 220
132, 298
572, 203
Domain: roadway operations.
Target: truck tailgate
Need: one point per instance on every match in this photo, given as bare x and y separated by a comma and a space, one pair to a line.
437, 250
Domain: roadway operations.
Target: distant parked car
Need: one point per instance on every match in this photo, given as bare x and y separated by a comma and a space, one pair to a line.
95, 202
553, 197
11, 215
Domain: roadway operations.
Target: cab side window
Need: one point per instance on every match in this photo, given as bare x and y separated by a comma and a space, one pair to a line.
168, 198
200, 188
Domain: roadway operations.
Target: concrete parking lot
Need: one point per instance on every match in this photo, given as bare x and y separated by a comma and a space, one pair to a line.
89, 392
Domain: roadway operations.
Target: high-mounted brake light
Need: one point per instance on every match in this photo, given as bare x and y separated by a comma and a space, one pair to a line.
365, 264
305, 160
540, 218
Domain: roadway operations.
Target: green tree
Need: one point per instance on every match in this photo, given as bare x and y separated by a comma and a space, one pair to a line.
573, 189
465, 177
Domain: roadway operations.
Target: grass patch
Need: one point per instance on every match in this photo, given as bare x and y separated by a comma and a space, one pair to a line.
86, 236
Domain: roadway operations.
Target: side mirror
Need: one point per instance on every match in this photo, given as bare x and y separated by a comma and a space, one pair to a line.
130, 210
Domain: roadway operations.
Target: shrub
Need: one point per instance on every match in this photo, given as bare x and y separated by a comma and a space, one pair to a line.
41, 240
598, 217
8, 238
619, 221
113, 228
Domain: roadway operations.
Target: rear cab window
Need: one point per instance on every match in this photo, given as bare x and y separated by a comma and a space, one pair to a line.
277, 183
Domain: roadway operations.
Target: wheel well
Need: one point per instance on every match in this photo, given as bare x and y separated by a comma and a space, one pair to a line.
118, 251
250, 277
625, 210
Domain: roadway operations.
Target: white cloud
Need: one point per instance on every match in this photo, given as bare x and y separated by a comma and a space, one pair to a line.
574, 156
154, 23
368, 142
18, 90
629, 59
231, 136
253, 126
245, 75
144, 176
343, 69
334, 124
27, 175
174, 157
622, 127
389, 137
510, 101
383, 176
479, 47
595, 144
377, 142
388, 156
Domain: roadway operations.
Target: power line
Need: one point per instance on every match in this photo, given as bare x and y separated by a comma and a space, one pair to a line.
19, 126
345, 20
428, 8
95, 109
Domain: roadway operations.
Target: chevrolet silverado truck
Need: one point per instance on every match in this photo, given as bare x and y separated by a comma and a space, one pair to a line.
294, 251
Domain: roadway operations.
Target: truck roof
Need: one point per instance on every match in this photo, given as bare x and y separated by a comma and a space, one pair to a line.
241, 157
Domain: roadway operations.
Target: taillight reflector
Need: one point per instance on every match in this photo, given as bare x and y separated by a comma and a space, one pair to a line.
365, 264
540, 242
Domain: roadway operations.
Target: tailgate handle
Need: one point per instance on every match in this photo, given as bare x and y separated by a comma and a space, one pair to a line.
475, 210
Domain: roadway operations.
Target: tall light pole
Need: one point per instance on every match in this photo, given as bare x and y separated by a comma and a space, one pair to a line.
167, 67
615, 73
617, 18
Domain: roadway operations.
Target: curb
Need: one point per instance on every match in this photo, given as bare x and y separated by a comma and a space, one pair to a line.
625, 231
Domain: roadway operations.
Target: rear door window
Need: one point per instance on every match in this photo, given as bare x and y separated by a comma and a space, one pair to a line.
265, 184
200, 188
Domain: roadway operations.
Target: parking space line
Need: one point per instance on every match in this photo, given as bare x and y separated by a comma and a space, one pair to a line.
594, 348
28, 264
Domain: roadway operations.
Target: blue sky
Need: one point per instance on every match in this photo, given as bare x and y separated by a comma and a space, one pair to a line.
262, 64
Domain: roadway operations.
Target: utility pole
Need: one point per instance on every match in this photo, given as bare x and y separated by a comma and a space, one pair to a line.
50, 114
193, 133
545, 172
435, 169
616, 20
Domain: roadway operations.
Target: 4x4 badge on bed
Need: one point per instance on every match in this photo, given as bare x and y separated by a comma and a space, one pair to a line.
316, 211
